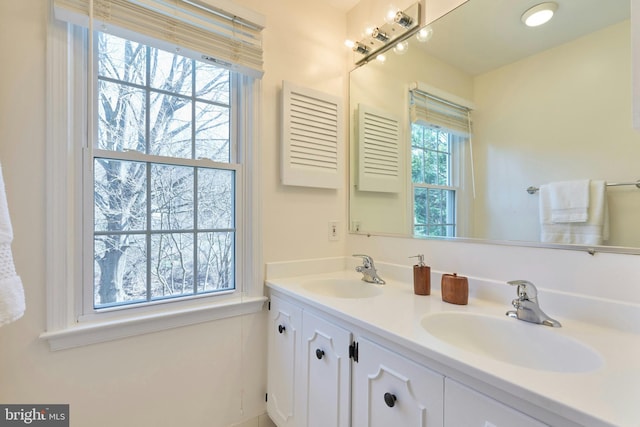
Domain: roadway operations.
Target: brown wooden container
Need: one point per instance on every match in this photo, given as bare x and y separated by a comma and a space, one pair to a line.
455, 289
421, 280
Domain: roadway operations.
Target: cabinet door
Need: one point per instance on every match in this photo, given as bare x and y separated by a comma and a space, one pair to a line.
464, 407
326, 379
392, 391
284, 339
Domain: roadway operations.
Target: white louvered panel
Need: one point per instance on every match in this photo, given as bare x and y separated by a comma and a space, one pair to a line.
379, 165
312, 131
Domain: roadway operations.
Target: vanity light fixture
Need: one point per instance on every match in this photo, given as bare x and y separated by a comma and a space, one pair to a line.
539, 14
403, 19
360, 48
398, 26
380, 35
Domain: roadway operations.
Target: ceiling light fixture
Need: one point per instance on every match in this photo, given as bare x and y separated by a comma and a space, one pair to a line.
539, 14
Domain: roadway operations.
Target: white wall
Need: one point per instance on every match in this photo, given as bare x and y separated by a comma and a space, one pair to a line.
212, 374
304, 45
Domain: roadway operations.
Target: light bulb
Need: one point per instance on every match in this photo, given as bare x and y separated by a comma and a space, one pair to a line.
381, 58
349, 43
424, 34
401, 48
390, 17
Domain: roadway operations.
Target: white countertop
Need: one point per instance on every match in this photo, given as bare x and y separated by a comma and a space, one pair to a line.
606, 396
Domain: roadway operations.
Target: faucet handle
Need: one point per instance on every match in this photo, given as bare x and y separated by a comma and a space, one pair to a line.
366, 260
526, 290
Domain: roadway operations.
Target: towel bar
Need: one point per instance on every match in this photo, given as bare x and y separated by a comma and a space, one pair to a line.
534, 190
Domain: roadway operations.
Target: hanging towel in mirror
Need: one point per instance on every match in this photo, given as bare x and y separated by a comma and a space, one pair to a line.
569, 200
12, 303
594, 231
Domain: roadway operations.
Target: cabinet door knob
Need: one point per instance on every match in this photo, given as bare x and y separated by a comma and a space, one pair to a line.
281, 328
319, 353
390, 399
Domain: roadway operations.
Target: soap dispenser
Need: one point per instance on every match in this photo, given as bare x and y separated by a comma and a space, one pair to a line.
421, 277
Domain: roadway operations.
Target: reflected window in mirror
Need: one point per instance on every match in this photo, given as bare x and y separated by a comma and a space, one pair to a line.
434, 194
439, 131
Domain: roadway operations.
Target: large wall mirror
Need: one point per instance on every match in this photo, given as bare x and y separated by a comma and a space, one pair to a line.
545, 104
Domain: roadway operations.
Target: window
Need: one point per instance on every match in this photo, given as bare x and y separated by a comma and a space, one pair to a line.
164, 173
434, 196
152, 178
439, 131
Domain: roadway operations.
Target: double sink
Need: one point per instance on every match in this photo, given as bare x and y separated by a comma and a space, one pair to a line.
497, 336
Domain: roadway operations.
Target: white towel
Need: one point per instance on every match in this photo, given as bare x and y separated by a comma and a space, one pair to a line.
594, 231
12, 304
569, 200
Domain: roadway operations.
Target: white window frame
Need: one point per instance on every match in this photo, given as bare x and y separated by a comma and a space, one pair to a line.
67, 323
454, 166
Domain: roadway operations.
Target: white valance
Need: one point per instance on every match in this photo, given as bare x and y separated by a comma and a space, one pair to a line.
199, 30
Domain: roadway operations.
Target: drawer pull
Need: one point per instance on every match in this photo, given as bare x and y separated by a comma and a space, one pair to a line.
319, 353
281, 328
390, 399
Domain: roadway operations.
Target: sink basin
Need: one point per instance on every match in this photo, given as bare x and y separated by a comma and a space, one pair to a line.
342, 288
512, 341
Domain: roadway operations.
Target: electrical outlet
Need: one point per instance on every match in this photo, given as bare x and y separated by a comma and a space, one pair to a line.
334, 232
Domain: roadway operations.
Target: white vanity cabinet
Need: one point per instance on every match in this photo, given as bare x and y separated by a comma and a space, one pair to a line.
309, 370
330, 373
318, 376
464, 407
284, 341
325, 399
390, 390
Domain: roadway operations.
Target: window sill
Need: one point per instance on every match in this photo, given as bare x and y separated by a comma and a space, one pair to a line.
87, 333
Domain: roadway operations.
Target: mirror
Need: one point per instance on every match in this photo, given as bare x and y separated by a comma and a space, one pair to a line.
549, 103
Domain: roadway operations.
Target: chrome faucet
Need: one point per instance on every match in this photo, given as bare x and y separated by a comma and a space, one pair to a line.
368, 270
527, 307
